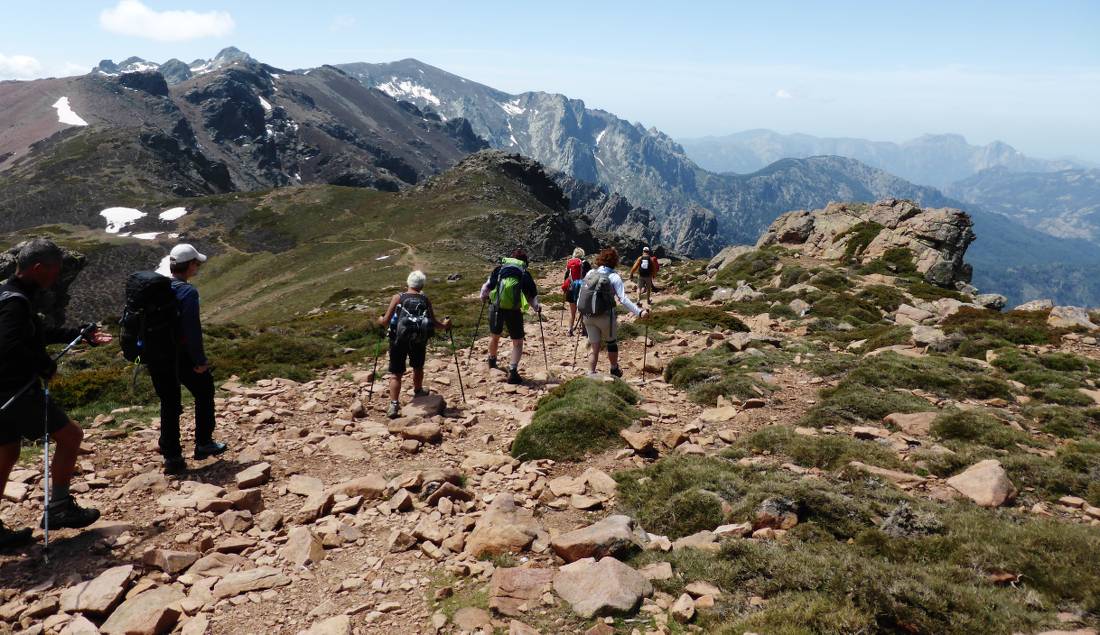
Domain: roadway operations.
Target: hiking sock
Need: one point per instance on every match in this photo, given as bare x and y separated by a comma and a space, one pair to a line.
58, 495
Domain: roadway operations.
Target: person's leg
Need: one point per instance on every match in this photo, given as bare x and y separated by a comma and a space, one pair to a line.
67, 441
494, 344
612, 341
572, 317
395, 387
496, 327
517, 353
201, 387
417, 356
595, 335
63, 510
167, 386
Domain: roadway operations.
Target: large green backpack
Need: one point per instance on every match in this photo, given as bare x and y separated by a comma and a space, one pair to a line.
508, 293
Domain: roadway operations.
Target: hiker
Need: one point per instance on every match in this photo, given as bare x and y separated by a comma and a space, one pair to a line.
601, 289
575, 270
411, 323
645, 267
23, 361
185, 363
508, 290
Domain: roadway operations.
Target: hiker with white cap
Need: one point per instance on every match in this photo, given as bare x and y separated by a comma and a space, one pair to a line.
187, 365
645, 267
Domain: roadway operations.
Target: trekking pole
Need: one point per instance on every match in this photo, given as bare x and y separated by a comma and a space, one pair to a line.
477, 326
542, 336
645, 348
374, 371
577, 342
458, 369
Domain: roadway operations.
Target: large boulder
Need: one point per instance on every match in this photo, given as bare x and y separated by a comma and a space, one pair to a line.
516, 590
613, 536
1069, 317
607, 587
986, 483
503, 528
938, 238
99, 594
151, 612
723, 258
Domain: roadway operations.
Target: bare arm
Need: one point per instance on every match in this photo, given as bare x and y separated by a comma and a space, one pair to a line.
385, 319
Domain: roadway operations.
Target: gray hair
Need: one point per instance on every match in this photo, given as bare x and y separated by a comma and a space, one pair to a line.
416, 280
578, 252
39, 251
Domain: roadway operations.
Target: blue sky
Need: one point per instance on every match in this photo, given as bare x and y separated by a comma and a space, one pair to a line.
1027, 73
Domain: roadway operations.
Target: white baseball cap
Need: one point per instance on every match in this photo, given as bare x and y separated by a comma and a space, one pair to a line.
186, 253
645, 249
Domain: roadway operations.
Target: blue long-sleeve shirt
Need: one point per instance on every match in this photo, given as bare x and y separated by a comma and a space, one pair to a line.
190, 325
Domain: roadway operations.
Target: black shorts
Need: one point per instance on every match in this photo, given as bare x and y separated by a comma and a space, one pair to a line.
573, 292
27, 416
500, 318
399, 351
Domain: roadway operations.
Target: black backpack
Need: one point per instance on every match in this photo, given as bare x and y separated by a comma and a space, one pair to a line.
597, 295
150, 320
414, 321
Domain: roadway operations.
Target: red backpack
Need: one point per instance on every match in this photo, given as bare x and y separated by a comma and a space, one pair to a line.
575, 267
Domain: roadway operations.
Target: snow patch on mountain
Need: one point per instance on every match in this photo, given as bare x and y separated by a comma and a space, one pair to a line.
66, 115
173, 214
512, 108
398, 88
600, 136
119, 218
147, 236
263, 102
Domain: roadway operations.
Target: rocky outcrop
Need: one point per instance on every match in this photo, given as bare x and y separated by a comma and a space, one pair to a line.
52, 303
937, 238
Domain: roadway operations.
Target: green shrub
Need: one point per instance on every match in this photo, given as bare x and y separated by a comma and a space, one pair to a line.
883, 297
693, 318
896, 261
1013, 327
850, 403
753, 267
858, 236
976, 427
580, 416
828, 452
721, 371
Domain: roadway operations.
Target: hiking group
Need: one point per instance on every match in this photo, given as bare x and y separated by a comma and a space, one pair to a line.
161, 329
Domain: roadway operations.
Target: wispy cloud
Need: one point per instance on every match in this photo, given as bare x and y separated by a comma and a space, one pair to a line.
131, 17
343, 23
783, 93
19, 67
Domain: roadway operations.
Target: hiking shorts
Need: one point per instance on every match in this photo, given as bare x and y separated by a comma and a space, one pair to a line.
28, 415
573, 291
511, 318
602, 330
399, 351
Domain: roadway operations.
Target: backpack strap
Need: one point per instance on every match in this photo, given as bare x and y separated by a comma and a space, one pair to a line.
8, 295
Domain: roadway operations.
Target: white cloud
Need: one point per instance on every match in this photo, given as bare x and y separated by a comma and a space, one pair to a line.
131, 17
19, 67
783, 93
343, 23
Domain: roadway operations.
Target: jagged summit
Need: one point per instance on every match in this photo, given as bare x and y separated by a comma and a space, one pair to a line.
174, 70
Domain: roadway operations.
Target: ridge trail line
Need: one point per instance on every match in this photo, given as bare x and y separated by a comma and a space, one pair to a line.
310, 438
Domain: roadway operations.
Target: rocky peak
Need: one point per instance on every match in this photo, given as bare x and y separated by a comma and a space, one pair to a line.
937, 238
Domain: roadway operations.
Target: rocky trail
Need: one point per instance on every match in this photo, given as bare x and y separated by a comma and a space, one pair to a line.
327, 518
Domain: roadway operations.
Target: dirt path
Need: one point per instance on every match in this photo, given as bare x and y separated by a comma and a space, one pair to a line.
308, 431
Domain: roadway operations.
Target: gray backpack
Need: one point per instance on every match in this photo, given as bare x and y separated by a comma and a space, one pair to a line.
597, 295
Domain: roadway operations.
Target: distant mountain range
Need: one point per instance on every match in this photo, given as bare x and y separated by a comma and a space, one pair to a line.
936, 160
159, 133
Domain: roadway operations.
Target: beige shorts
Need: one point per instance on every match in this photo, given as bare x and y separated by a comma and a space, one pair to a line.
601, 328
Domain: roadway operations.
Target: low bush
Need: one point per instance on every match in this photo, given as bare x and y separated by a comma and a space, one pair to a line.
977, 427
693, 318
580, 416
828, 452
721, 371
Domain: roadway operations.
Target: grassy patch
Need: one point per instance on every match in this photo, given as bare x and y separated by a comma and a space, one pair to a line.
693, 318
973, 426
828, 452
986, 329
858, 237
721, 371
838, 572
883, 297
896, 261
852, 403
578, 417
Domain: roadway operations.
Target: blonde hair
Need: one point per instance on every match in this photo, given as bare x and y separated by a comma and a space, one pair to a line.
416, 280
578, 252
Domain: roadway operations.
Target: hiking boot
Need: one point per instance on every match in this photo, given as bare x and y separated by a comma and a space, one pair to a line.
66, 513
421, 392
616, 371
175, 465
570, 332
513, 376
394, 411
11, 538
492, 361
213, 448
